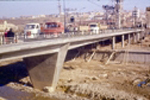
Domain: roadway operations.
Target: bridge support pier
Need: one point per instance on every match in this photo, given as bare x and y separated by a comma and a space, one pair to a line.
113, 42
138, 36
129, 39
134, 38
142, 35
122, 41
44, 70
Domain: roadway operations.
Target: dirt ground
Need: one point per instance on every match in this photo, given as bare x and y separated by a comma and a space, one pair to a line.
81, 80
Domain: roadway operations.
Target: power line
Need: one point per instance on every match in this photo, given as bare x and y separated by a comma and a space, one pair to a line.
25, 0
94, 3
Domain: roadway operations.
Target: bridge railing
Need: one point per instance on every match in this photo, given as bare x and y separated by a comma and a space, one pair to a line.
9, 40
21, 38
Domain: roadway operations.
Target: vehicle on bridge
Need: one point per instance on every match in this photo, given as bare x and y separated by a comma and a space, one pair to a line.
96, 27
77, 28
32, 30
84, 28
53, 28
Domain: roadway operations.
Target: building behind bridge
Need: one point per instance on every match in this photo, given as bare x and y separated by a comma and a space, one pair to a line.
148, 17
5, 25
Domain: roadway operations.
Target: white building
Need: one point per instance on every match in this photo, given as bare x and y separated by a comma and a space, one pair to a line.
4, 25
136, 12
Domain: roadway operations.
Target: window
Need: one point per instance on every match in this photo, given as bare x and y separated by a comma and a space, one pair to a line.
51, 25
37, 26
30, 26
93, 25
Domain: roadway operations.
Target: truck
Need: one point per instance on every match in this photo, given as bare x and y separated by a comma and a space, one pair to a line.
94, 27
53, 28
97, 27
84, 28
32, 30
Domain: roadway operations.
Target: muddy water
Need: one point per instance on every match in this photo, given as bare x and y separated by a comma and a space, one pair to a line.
11, 94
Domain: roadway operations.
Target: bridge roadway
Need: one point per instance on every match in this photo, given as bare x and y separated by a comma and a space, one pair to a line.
45, 58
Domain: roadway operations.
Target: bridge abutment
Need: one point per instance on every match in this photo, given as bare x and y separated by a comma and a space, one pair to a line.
44, 70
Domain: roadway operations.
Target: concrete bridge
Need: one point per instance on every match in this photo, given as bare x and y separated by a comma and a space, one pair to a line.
45, 58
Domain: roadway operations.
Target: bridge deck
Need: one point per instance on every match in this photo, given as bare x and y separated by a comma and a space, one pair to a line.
59, 41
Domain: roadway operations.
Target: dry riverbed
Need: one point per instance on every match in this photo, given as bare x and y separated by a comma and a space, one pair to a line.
80, 80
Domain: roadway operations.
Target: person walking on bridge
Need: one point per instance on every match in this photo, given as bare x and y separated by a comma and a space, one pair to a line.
5, 35
10, 36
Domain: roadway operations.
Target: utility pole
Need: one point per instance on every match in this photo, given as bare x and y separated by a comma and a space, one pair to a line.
59, 7
59, 10
113, 14
64, 6
118, 8
110, 10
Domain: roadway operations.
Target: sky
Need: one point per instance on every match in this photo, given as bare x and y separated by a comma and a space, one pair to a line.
16, 8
